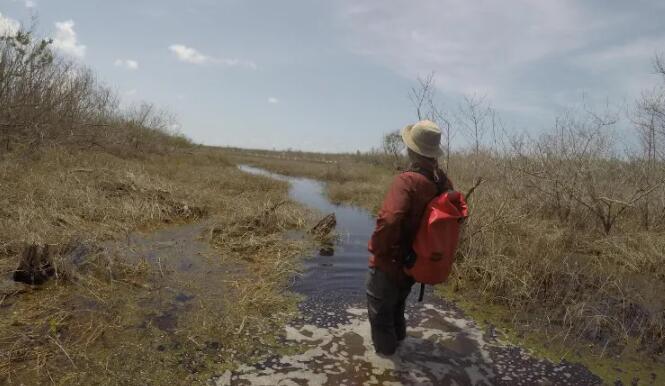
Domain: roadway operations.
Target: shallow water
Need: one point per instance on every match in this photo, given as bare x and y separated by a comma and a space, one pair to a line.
443, 347
182, 259
342, 275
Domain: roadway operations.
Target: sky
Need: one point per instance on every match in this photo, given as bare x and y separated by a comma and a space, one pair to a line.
335, 75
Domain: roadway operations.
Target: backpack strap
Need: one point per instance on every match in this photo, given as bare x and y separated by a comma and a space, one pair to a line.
430, 176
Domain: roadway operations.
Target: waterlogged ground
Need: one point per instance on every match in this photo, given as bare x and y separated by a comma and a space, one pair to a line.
332, 334
157, 325
166, 330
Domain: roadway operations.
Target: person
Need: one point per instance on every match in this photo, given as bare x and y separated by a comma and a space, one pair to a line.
387, 284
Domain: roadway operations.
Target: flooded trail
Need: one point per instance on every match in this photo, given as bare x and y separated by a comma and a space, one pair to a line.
335, 280
186, 263
443, 347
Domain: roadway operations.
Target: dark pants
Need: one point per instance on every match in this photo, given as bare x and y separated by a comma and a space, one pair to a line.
385, 306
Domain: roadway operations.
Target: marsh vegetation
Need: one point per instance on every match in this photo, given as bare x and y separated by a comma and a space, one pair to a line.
87, 189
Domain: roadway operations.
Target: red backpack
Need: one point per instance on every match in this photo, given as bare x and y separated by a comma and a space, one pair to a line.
436, 240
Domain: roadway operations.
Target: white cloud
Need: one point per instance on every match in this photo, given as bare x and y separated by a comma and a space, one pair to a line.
472, 45
27, 3
188, 54
517, 53
236, 63
193, 56
131, 92
639, 50
273, 100
631, 60
8, 26
66, 40
127, 63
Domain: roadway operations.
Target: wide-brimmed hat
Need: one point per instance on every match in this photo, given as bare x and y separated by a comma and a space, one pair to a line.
424, 138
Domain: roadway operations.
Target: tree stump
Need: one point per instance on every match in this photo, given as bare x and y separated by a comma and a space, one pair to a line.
35, 265
322, 232
323, 228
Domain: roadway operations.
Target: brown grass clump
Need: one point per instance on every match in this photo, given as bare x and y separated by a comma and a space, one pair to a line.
255, 234
35, 265
65, 193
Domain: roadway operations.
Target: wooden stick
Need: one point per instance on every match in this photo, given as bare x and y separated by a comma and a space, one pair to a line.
478, 182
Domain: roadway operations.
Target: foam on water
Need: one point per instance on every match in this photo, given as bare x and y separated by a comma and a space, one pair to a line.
344, 355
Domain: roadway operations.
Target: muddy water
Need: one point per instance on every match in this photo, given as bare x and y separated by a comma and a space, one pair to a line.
443, 347
186, 265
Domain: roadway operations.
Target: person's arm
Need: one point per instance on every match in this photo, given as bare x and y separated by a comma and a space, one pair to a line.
385, 243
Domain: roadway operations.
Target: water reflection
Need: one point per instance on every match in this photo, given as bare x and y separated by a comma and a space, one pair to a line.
338, 271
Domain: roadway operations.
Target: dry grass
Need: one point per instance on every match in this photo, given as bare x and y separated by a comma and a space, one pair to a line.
80, 175
71, 329
47, 331
63, 194
256, 234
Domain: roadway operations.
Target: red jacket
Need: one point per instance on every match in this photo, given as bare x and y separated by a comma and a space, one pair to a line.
399, 218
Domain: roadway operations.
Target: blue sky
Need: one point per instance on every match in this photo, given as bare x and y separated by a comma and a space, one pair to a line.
335, 75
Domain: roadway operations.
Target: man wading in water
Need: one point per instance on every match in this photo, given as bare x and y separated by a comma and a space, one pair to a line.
396, 225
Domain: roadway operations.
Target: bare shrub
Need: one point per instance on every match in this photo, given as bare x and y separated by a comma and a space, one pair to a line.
575, 172
557, 234
649, 120
423, 97
476, 117
394, 147
47, 99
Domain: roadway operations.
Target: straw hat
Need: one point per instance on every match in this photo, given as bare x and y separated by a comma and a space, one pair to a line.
424, 138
